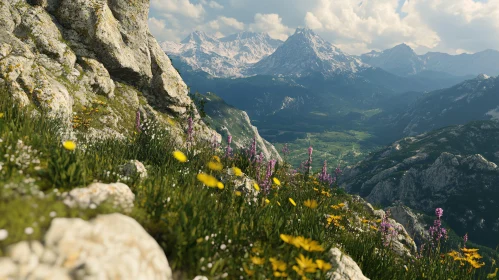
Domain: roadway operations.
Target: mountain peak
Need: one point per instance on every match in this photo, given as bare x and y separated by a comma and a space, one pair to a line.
482, 77
402, 48
198, 37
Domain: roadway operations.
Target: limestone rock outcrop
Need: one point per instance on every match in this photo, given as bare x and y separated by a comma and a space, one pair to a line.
344, 267
108, 247
117, 194
65, 55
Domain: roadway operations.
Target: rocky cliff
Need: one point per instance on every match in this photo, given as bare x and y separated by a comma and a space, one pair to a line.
454, 168
94, 63
226, 119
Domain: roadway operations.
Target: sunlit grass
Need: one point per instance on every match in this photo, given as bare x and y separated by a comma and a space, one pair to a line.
190, 204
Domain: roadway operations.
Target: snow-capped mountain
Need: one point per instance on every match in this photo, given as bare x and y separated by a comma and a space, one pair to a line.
402, 60
305, 53
224, 57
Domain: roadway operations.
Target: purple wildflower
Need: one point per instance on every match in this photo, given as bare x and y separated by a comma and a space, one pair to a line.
228, 150
309, 162
465, 238
189, 129
214, 142
137, 121
285, 149
252, 151
388, 231
324, 177
439, 212
267, 182
437, 231
337, 171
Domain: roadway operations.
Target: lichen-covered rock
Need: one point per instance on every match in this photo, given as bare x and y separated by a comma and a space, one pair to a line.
65, 55
412, 223
108, 247
403, 244
343, 267
134, 168
118, 194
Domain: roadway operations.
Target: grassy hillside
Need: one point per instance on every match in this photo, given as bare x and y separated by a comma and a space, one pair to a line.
221, 231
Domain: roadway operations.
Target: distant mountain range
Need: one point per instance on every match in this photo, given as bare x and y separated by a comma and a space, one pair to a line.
474, 99
225, 57
402, 60
305, 53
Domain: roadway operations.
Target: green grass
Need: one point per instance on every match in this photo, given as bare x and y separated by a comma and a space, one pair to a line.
203, 231
337, 147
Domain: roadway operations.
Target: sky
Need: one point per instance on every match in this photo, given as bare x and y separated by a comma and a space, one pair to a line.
355, 26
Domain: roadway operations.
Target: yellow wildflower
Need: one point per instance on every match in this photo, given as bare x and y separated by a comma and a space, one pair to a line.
267, 201
306, 264
171, 122
286, 238
220, 185
322, 265
257, 260
298, 241
249, 272
216, 158
208, 180
341, 205
316, 189
237, 171
312, 246
276, 181
492, 275
69, 145
1, 115
310, 203
334, 219
256, 186
178, 155
292, 201
278, 265
238, 193
216, 166
280, 274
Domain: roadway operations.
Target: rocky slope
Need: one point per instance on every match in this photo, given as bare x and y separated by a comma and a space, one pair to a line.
454, 168
224, 57
475, 99
226, 119
402, 60
67, 57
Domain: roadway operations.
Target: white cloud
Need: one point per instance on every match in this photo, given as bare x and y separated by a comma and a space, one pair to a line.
181, 7
357, 27
215, 5
220, 26
444, 25
460, 24
160, 30
272, 24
